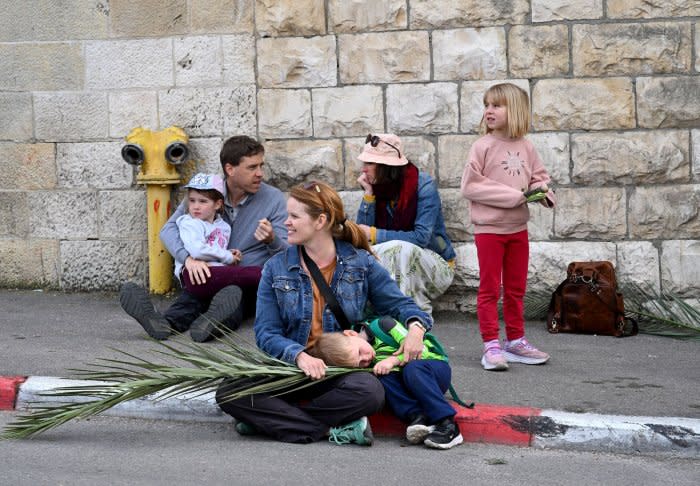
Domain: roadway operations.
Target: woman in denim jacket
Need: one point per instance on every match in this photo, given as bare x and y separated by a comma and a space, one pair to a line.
292, 313
401, 215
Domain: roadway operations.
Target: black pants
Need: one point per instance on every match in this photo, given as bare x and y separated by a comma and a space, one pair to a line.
306, 415
187, 308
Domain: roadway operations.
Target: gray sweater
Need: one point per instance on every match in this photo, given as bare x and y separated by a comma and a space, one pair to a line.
268, 202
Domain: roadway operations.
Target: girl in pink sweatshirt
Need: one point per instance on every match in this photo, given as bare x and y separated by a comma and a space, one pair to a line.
502, 175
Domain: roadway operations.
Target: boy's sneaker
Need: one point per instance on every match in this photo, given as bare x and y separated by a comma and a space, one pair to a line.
244, 428
222, 307
136, 302
521, 351
418, 430
356, 432
493, 359
445, 436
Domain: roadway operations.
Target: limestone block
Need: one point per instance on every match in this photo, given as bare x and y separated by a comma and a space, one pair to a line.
469, 54
63, 214
668, 102
351, 203
555, 10
296, 161
101, 265
96, 165
290, 17
548, 260
34, 67
123, 215
14, 218
589, 104
638, 263
696, 154
665, 212
39, 20
422, 108
239, 59
138, 63
419, 150
198, 61
680, 266
347, 111
222, 16
644, 9
388, 57
70, 116
554, 150
541, 224
441, 14
697, 47
148, 18
16, 116
204, 154
295, 62
209, 111
648, 157
455, 211
538, 51
628, 49
472, 101
467, 266
28, 263
454, 154
27, 166
346, 16
284, 113
591, 213
131, 109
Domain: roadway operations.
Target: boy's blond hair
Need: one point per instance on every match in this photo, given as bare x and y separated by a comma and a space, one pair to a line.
517, 106
333, 348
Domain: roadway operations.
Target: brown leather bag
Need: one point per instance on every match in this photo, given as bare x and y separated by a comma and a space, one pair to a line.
588, 302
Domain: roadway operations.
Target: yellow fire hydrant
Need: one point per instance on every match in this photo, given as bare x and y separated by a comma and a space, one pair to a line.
157, 153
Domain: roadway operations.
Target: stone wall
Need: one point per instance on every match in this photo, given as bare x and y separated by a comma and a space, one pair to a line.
615, 101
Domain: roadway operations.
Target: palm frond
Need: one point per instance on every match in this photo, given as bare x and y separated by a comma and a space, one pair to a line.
177, 368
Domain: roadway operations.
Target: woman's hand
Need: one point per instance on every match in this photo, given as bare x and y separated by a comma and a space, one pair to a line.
385, 366
412, 346
365, 229
312, 367
364, 182
198, 270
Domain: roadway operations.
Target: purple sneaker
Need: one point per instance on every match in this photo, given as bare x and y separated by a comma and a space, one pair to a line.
493, 358
521, 351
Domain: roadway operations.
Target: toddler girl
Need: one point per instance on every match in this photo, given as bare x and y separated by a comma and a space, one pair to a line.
502, 175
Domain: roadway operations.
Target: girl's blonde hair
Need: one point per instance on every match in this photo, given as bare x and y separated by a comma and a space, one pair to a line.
517, 105
333, 349
320, 198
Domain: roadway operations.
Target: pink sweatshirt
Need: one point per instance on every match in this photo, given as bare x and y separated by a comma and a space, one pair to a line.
496, 175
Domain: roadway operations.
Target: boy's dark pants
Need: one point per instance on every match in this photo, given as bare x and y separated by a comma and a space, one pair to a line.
306, 415
419, 388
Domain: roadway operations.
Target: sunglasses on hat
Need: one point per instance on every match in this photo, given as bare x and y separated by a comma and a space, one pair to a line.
374, 140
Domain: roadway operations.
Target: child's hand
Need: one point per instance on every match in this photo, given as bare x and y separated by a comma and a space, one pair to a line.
537, 194
237, 255
385, 366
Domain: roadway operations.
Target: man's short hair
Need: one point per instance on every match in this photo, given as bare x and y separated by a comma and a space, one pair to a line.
235, 148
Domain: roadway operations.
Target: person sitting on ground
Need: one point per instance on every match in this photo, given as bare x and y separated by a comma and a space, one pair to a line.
401, 215
292, 313
414, 392
256, 213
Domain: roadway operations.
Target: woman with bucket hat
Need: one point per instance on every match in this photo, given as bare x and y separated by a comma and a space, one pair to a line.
401, 214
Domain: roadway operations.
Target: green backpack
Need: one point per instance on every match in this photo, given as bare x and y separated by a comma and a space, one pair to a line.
437, 347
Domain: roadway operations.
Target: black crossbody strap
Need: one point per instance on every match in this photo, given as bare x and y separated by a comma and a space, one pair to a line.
326, 291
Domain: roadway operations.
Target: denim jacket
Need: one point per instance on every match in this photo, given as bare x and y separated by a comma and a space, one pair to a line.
285, 299
429, 228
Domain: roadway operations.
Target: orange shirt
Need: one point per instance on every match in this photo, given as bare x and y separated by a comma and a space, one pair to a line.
319, 304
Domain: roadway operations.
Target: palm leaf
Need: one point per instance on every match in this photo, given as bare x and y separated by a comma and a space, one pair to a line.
178, 368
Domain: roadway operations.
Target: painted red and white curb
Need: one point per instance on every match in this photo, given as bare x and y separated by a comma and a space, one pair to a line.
486, 423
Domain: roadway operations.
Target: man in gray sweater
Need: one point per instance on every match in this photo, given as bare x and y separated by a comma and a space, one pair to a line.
256, 213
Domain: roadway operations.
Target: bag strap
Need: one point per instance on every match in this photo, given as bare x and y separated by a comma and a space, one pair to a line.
618, 308
376, 329
326, 291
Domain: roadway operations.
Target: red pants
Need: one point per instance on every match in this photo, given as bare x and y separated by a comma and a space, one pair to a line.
222, 276
503, 260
